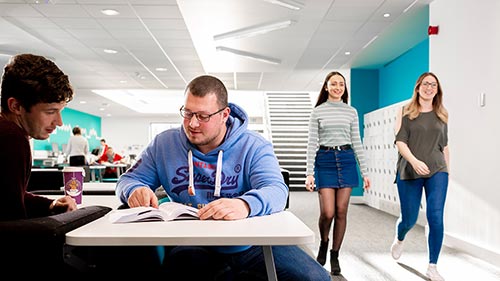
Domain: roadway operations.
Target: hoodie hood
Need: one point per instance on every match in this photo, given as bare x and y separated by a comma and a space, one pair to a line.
237, 123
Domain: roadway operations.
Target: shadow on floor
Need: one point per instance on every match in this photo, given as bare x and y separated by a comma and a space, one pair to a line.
338, 278
413, 270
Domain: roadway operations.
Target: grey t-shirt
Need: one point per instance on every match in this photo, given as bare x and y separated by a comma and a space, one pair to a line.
426, 137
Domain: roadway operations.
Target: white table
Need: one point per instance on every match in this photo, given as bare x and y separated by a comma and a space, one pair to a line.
111, 201
118, 166
96, 169
282, 228
98, 186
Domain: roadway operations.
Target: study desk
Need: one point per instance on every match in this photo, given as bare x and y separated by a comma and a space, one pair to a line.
282, 228
96, 172
89, 188
92, 200
120, 168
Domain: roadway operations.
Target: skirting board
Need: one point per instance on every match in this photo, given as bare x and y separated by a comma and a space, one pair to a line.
472, 249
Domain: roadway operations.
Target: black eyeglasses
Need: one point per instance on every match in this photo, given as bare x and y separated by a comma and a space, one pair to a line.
427, 84
202, 117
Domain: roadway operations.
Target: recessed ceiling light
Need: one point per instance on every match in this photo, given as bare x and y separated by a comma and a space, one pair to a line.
248, 55
110, 51
161, 69
123, 81
386, 15
290, 4
409, 7
110, 12
254, 30
347, 53
83, 102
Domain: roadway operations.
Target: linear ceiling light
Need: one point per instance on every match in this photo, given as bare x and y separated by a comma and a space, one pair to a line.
254, 30
290, 4
248, 55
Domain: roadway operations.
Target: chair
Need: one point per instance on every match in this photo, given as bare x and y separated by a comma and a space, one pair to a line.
46, 179
37, 244
77, 160
286, 177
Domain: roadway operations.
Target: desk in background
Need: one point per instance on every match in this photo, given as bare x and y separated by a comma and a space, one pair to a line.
120, 168
95, 200
89, 188
50, 179
282, 228
96, 172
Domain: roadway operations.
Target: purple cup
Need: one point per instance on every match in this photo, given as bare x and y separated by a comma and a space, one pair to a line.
73, 182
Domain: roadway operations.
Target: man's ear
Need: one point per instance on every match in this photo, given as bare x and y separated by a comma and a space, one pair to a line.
227, 112
14, 105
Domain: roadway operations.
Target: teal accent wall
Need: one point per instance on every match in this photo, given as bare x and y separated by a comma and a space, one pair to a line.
397, 78
372, 89
90, 125
364, 92
364, 97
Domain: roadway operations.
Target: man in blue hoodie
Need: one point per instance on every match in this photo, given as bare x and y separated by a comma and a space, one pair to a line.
216, 164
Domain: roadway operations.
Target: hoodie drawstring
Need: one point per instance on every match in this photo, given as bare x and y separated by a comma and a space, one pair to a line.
191, 190
218, 174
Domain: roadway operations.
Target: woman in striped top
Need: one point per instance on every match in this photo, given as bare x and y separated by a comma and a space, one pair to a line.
334, 152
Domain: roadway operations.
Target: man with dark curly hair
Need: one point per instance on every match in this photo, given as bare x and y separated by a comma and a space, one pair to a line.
34, 91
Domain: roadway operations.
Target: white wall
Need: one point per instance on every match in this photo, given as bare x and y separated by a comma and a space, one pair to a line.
465, 57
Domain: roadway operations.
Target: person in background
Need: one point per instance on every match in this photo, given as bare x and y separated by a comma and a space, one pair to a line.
110, 157
103, 148
34, 92
423, 164
334, 151
215, 163
77, 148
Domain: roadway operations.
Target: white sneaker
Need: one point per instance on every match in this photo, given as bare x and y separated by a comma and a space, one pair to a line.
433, 274
396, 249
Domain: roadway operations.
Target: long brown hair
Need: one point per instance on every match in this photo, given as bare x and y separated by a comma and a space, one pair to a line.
323, 94
412, 109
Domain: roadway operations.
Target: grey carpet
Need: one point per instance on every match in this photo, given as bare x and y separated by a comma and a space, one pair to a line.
365, 251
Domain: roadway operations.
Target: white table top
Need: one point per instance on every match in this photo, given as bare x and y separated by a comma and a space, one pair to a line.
282, 228
97, 186
45, 170
111, 201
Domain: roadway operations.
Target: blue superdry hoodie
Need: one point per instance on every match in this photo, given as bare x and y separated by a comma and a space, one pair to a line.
244, 166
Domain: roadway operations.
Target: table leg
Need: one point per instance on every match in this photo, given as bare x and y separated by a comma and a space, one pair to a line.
269, 259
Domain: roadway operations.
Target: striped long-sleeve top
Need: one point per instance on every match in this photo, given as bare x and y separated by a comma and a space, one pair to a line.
331, 124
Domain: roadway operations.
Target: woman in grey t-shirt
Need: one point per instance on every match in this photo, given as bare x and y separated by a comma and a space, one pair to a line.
422, 142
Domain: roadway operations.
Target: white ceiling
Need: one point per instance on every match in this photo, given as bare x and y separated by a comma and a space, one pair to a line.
179, 36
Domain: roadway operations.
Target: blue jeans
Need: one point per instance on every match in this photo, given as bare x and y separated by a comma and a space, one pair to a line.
410, 196
202, 263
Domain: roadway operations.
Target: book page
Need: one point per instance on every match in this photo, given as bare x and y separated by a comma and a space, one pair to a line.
167, 211
176, 210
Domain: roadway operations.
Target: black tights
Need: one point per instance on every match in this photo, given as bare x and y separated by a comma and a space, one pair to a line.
333, 203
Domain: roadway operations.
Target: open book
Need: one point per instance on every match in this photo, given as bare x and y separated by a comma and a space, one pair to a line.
167, 211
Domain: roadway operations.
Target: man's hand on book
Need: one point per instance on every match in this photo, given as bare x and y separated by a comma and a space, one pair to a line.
142, 196
225, 209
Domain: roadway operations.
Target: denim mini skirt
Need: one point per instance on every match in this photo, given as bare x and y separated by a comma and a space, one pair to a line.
335, 169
